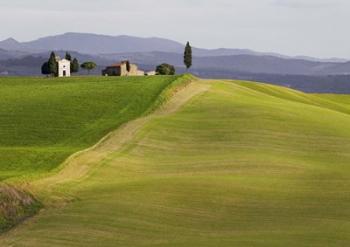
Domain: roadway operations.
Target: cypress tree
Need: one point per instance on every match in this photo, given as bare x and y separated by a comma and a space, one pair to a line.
188, 56
53, 67
68, 56
75, 66
45, 69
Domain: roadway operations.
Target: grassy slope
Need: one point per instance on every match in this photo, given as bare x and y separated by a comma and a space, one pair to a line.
241, 165
43, 121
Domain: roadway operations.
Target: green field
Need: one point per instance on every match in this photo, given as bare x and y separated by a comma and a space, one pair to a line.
223, 163
43, 121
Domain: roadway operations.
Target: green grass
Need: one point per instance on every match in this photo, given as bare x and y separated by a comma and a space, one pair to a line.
43, 121
242, 164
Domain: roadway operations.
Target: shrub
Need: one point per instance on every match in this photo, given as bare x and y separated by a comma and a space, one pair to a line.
165, 69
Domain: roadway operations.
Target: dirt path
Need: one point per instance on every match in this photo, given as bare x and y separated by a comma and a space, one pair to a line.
80, 165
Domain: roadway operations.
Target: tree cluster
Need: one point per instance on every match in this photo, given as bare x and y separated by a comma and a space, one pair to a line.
74, 64
165, 69
51, 66
88, 66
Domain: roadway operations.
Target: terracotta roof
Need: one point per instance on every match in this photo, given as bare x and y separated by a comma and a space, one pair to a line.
116, 65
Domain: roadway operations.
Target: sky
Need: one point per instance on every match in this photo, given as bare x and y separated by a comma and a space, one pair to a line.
316, 28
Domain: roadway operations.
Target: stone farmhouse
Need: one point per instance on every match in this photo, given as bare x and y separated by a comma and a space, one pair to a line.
124, 68
63, 67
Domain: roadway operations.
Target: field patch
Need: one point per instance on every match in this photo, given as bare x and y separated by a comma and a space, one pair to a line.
43, 121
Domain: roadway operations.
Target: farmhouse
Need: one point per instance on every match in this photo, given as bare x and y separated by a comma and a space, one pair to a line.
63, 67
124, 68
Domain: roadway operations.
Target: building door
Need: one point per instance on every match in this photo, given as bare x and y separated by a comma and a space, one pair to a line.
64, 73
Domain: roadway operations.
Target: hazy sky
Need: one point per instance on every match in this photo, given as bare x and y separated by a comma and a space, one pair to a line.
294, 27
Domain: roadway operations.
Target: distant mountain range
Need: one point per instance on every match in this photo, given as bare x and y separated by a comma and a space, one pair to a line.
25, 58
93, 44
103, 44
243, 63
6, 54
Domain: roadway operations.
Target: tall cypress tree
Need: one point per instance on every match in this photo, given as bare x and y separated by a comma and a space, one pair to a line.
68, 56
75, 66
45, 69
188, 56
53, 67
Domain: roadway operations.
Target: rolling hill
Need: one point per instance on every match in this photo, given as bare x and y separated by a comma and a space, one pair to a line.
43, 121
46, 120
6, 54
222, 163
